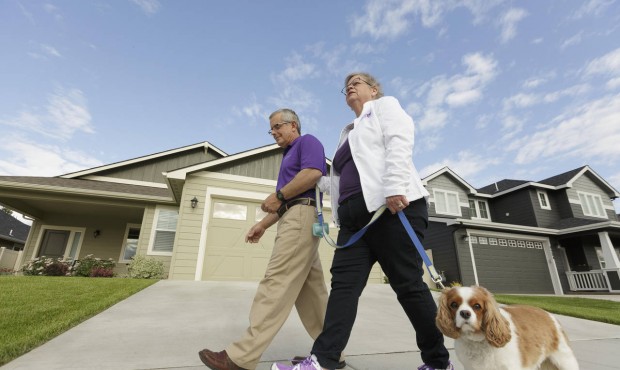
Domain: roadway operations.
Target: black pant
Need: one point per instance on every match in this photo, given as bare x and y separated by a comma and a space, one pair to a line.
387, 242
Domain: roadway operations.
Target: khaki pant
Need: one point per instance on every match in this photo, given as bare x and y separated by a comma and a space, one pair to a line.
294, 276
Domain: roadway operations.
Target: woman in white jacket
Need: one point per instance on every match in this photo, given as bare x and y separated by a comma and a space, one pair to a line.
373, 166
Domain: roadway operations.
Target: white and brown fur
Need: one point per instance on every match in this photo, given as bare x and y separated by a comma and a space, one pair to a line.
488, 336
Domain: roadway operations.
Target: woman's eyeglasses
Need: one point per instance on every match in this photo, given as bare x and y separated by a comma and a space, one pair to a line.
276, 127
354, 83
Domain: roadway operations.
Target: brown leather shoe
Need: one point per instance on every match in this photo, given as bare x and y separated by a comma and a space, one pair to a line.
217, 360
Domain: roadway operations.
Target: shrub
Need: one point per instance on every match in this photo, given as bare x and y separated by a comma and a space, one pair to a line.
142, 267
101, 272
46, 266
85, 266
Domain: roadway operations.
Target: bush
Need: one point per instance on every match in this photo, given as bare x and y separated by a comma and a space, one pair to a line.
46, 266
142, 267
101, 272
85, 266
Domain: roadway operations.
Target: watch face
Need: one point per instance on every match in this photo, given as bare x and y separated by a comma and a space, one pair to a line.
280, 196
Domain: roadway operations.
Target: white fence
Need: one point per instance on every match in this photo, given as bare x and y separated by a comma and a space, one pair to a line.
589, 280
9, 258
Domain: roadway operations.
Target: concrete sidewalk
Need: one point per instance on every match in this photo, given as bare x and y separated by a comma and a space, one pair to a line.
165, 325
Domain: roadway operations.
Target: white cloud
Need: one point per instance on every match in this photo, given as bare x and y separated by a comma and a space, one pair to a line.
592, 7
445, 93
524, 100
608, 64
148, 6
21, 157
573, 40
392, 18
613, 84
65, 114
467, 164
566, 138
50, 50
296, 69
508, 23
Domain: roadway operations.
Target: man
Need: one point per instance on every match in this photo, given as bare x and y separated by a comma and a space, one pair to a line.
294, 274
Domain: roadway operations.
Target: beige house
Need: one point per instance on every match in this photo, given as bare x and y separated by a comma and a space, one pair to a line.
189, 207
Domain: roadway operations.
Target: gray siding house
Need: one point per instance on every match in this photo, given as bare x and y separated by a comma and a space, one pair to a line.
191, 207
556, 235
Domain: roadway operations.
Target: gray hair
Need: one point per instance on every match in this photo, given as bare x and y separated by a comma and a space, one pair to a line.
288, 115
368, 78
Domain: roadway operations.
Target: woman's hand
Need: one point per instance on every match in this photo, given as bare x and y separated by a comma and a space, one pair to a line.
396, 203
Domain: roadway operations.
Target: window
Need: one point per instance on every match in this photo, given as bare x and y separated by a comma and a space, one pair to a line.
512, 243
538, 245
259, 214
165, 229
503, 242
482, 240
479, 209
592, 205
130, 246
521, 244
230, 211
474, 239
543, 199
447, 202
492, 241
529, 244
601, 258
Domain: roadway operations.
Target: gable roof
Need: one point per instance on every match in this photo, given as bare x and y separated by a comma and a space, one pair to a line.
447, 171
563, 180
94, 170
13, 229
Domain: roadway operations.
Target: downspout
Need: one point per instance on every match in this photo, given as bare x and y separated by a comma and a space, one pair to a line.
473, 260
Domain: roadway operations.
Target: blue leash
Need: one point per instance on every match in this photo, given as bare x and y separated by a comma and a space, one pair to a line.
323, 231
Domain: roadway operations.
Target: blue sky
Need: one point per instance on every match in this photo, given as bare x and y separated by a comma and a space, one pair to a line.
497, 89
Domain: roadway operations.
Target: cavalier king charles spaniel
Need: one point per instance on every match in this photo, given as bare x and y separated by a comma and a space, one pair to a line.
488, 336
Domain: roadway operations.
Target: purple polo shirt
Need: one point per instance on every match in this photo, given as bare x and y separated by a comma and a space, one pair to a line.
304, 152
349, 177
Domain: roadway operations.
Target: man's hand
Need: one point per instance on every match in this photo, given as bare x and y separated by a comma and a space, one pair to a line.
271, 204
253, 236
396, 203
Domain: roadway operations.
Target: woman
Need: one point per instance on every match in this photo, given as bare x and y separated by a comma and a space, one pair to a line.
373, 166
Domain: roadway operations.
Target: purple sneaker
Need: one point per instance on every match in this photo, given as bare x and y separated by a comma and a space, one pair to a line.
427, 367
310, 363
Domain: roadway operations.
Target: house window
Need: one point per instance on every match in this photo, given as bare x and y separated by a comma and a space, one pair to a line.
447, 202
512, 243
543, 200
492, 241
503, 242
521, 244
529, 244
259, 214
479, 209
474, 239
165, 229
482, 240
59, 242
538, 245
130, 246
592, 205
230, 211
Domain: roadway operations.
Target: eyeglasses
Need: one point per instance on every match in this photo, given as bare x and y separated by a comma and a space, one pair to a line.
277, 127
354, 83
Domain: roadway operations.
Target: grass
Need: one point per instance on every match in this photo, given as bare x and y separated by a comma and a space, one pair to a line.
35, 309
584, 308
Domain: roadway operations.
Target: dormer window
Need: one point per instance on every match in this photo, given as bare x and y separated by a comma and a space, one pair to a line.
479, 209
592, 205
447, 202
543, 199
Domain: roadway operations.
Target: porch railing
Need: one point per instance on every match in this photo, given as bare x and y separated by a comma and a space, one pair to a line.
589, 280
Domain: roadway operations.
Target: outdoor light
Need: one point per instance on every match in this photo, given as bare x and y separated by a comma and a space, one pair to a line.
96, 233
466, 238
194, 202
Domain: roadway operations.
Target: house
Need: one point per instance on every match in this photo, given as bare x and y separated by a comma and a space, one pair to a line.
190, 207
556, 235
13, 234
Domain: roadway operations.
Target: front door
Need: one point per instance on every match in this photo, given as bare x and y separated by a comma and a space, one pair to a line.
54, 243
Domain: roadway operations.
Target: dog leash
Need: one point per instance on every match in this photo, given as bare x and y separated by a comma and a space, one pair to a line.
322, 230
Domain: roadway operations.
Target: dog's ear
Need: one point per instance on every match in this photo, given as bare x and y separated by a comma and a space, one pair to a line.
495, 326
445, 317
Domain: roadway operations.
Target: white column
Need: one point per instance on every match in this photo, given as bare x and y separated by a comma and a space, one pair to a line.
609, 254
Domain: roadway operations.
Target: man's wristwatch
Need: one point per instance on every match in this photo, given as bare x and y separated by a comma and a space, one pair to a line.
280, 196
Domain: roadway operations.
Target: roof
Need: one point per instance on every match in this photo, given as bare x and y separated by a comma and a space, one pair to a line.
562, 178
86, 185
446, 170
13, 229
90, 171
502, 185
568, 223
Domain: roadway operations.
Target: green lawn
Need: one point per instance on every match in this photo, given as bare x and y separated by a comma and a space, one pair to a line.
583, 308
35, 309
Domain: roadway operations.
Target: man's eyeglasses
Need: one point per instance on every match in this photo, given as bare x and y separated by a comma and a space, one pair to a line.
277, 126
354, 83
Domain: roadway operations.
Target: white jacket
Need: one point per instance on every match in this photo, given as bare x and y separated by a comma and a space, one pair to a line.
381, 141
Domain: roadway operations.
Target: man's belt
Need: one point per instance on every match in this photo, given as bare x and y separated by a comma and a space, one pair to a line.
303, 201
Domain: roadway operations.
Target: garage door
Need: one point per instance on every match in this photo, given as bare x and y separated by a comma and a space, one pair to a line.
229, 257
511, 264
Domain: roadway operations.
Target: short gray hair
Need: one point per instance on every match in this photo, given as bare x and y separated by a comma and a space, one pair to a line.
288, 115
368, 78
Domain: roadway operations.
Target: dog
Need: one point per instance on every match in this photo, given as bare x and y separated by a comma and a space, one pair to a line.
488, 336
